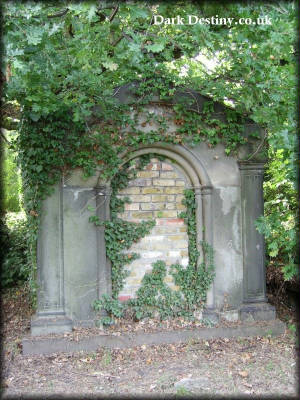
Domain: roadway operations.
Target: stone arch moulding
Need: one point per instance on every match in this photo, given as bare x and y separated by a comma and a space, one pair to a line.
200, 183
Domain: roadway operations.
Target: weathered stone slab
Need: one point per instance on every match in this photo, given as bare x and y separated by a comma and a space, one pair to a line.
92, 343
257, 312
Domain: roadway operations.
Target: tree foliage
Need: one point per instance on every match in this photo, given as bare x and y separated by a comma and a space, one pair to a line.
64, 59
12, 181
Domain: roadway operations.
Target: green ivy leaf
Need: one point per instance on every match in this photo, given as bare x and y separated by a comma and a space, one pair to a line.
155, 48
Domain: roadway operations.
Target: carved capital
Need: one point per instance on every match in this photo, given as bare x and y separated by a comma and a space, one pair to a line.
206, 190
251, 168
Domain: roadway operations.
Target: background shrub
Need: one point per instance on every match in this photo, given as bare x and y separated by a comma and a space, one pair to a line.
12, 181
16, 265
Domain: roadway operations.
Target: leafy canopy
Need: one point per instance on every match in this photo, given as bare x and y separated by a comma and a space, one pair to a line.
76, 53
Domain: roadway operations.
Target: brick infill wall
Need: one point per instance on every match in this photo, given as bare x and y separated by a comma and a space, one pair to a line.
156, 193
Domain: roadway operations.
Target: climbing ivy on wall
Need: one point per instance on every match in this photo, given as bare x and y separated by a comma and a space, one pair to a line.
196, 278
69, 144
154, 297
120, 234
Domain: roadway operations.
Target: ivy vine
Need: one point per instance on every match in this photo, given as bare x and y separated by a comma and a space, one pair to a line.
194, 280
60, 141
121, 234
154, 297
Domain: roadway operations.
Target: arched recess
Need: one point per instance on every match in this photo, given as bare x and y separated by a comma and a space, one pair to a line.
200, 183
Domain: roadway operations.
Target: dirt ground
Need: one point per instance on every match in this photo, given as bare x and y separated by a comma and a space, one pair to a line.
258, 366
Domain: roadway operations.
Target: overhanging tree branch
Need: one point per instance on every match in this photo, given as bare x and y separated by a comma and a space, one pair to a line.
117, 40
113, 14
59, 14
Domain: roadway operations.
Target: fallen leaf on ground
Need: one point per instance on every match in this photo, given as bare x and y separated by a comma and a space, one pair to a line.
246, 357
244, 374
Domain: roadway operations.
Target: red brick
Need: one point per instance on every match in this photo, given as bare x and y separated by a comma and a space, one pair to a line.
124, 298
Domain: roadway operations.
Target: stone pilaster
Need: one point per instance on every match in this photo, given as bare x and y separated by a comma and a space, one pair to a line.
210, 313
50, 316
253, 241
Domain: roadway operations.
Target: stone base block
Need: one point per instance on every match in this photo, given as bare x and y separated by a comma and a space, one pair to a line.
230, 315
210, 316
86, 323
43, 325
257, 312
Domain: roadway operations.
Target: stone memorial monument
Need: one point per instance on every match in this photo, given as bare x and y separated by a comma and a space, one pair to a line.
74, 270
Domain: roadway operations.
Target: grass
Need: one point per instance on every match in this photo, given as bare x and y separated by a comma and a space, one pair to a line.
182, 391
106, 358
